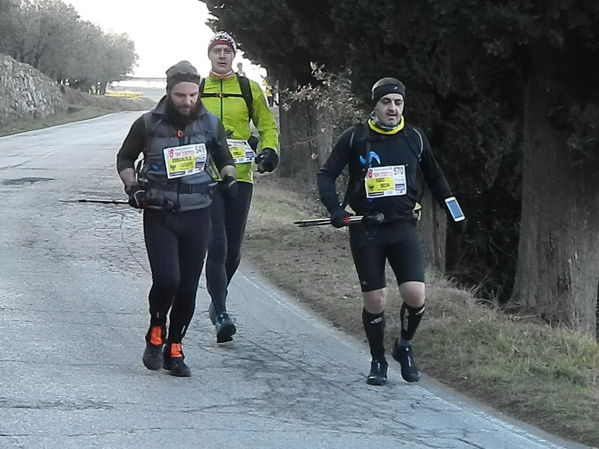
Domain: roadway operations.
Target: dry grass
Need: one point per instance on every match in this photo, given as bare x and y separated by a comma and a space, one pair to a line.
82, 106
547, 377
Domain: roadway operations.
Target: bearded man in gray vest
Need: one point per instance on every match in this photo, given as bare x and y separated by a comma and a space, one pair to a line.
179, 140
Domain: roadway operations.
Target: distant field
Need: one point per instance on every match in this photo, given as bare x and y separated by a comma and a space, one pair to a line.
152, 88
124, 94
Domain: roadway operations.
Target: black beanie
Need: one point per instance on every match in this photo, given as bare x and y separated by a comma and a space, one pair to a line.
386, 86
182, 71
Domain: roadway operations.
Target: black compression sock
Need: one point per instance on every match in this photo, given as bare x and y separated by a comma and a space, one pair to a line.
374, 326
410, 320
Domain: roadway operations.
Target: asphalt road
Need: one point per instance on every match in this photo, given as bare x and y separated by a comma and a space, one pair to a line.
73, 313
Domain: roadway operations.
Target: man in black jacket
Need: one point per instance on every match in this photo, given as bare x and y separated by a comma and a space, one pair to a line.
179, 139
387, 160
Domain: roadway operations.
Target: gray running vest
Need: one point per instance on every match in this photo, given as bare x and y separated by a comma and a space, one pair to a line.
179, 194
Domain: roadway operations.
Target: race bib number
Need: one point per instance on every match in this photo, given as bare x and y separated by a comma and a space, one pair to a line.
184, 160
385, 181
241, 151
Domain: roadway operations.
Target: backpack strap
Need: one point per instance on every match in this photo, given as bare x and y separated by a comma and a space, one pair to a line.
421, 176
246, 93
365, 153
151, 124
421, 145
211, 128
359, 136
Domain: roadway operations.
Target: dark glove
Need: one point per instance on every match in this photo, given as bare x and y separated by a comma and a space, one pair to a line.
459, 227
267, 160
137, 196
228, 186
340, 217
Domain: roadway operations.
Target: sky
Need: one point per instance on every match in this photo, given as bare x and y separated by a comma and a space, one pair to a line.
164, 32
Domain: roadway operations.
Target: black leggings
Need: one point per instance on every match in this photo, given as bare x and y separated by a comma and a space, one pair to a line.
372, 246
229, 216
176, 245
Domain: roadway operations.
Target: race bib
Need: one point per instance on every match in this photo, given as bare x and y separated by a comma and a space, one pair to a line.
184, 160
385, 181
241, 151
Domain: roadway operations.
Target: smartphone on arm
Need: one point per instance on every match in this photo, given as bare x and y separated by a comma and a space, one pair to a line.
454, 209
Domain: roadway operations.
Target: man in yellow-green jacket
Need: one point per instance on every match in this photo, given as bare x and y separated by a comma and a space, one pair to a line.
236, 101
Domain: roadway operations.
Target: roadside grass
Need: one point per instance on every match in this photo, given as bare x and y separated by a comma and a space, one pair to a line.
73, 114
545, 376
81, 106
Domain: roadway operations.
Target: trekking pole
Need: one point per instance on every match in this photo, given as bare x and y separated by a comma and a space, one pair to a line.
324, 221
96, 200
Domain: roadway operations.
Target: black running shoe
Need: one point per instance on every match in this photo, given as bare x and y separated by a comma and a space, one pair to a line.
403, 354
225, 328
174, 361
378, 372
152, 357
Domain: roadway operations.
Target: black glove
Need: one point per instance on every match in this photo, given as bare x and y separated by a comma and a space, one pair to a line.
267, 160
228, 186
459, 226
137, 196
340, 217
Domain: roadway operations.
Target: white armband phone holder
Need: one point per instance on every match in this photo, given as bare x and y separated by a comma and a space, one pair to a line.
454, 209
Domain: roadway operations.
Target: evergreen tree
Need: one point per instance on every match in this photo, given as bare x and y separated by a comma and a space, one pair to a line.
506, 90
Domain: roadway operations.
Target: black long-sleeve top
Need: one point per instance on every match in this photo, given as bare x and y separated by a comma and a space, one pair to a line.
409, 147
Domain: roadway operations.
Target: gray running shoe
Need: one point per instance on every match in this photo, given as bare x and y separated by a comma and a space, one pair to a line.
225, 328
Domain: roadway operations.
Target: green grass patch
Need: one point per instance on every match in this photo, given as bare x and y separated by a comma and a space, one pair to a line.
545, 376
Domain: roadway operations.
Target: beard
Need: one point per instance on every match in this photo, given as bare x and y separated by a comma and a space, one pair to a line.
181, 116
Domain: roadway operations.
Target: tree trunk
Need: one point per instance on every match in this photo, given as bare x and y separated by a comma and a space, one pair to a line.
558, 255
306, 140
432, 231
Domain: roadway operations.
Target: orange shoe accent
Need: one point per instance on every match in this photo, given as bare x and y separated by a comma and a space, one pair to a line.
176, 352
156, 336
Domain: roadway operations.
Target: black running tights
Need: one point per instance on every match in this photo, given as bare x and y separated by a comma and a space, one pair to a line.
229, 216
176, 244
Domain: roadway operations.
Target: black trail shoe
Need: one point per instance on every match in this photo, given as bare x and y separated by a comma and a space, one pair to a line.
174, 361
225, 328
403, 354
378, 372
152, 357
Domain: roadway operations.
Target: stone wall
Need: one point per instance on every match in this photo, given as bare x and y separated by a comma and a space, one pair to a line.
26, 93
